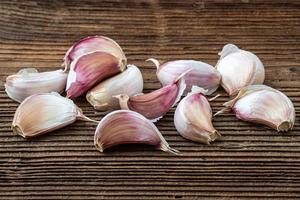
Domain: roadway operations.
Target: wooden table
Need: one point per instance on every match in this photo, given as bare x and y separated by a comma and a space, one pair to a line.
249, 161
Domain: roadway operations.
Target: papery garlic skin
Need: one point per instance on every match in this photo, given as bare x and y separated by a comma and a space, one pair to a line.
156, 104
263, 105
193, 117
202, 74
94, 43
90, 69
29, 81
42, 113
129, 82
239, 68
125, 127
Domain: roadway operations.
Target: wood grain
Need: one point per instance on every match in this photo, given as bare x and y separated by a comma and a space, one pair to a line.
248, 162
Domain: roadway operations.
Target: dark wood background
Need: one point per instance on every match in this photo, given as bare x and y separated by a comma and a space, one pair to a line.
249, 161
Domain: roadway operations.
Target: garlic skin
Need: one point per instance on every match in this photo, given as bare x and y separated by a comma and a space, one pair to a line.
29, 81
91, 44
193, 117
42, 113
89, 69
125, 127
129, 82
263, 105
156, 104
202, 74
239, 68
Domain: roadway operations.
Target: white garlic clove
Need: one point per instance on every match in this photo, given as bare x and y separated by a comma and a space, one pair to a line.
90, 69
239, 68
125, 127
156, 104
29, 81
91, 44
42, 113
263, 105
193, 117
202, 74
129, 82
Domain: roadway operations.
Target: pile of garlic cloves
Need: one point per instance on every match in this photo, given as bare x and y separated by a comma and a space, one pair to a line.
97, 67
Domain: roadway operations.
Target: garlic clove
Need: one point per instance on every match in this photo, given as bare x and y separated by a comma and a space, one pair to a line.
193, 117
263, 105
156, 104
29, 81
202, 75
239, 68
42, 113
91, 44
129, 82
90, 69
125, 127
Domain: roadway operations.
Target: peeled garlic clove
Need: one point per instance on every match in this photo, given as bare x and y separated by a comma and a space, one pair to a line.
202, 75
239, 68
263, 105
90, 69
29, 81
193, 117
42, 113
129, 82
156, 104
125, 126
91, 44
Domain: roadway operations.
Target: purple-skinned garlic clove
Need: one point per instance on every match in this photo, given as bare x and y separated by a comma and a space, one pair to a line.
125, 127
193, 117
29, 81
90, 69
94, 43
202, 74
263, 105
43, 113
156, 104
239, 68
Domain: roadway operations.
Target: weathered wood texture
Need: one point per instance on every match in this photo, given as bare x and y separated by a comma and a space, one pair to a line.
250, 161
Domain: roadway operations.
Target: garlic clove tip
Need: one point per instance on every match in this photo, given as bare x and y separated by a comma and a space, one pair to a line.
99, 147
166, 148
182, 75
154, 61
215, 97
222, 111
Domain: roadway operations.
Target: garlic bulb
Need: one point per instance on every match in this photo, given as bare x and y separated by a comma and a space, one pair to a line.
193, 117
29, 81
239, 68
89, 69
156, 104
263, 105
91, 44
125, 126
202, 74
129, 82
42, 113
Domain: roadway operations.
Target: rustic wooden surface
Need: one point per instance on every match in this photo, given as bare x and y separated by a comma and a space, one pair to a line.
250, 161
